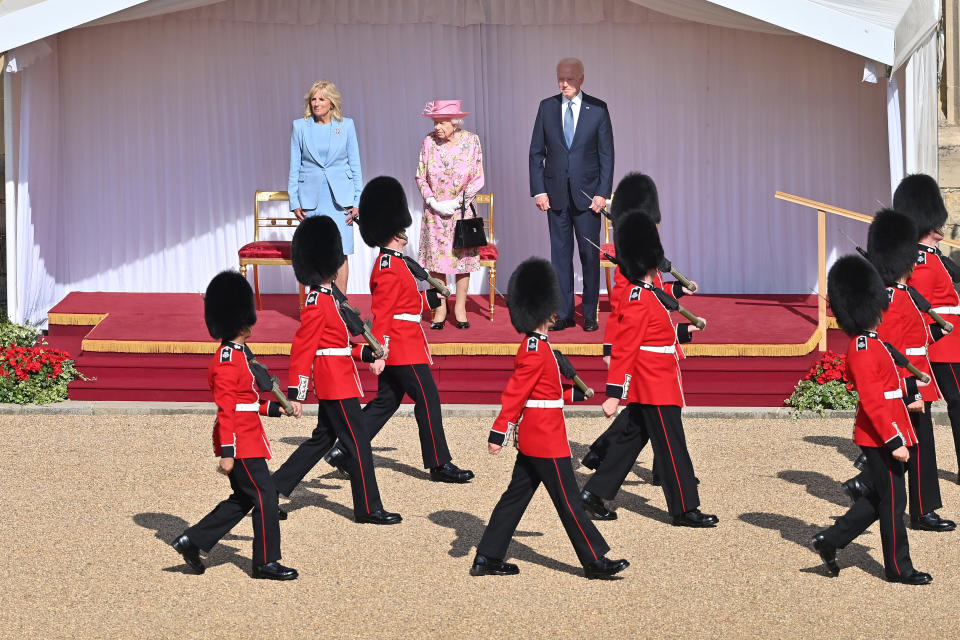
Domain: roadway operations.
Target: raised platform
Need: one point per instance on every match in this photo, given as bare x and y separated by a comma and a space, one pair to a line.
154, 346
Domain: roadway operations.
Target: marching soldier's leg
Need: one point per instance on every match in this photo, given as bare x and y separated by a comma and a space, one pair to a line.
378, 411
889, 477
947, 375
557, 476
598, 450
254, 480
854, 522
224, 517
347, 421
506, 515
924, 482
671, 457
306, 456
625, 446
419, 384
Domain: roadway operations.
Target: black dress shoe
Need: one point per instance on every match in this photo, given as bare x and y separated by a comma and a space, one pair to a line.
484, 566
604, 568
190, 552
595, 508
561, 324
590, 325
694, 518
854, 490
436, 326
917, 577
281, 513
337, 458
932, 522
461, 325
861, 462
379, 517
592, 460
828, 553
274, 571
450, 472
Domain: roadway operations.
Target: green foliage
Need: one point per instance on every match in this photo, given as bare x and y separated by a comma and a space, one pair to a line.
19, 335
809, 395
30, 371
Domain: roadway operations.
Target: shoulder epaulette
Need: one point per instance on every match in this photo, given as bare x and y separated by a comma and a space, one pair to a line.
861, 343
532, 343
226, 354
385, 261
635, 293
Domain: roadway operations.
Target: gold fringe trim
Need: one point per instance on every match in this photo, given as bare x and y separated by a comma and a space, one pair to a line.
832, 323
162, 346
76, 319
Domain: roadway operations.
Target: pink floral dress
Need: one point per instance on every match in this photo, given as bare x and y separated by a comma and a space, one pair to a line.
447, 171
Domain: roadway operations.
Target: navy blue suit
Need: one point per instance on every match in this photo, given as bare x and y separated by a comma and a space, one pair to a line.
562, 173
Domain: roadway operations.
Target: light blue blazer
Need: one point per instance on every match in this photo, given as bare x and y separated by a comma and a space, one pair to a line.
341, 167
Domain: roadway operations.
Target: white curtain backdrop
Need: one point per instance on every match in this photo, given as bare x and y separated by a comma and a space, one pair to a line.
142, 142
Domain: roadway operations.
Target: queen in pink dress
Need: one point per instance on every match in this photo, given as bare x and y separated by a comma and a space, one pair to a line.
449, 174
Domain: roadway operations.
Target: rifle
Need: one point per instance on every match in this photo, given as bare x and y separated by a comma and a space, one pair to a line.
901, 361
665, 266
672, 305
356, 326
424, 276
267, 382
568, 372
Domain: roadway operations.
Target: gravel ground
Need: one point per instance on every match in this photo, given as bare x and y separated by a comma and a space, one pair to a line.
91, 503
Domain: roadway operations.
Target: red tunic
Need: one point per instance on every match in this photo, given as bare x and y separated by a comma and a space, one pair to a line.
905, 327
238, 431
541, 431
621, 285
323, 342
933, 282
882, 419
397, 308
644, 365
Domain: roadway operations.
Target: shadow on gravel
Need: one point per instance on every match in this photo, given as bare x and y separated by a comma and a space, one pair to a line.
801, 533
844, 446
818, 485
296, 441
166, 527
468, 529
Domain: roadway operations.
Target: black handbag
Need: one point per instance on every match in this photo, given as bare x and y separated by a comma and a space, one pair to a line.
468, 232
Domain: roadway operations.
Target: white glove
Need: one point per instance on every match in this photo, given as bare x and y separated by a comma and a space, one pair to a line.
443, 207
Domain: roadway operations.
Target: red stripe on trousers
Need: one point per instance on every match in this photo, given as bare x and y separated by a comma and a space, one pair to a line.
429, 422
919, 484
570, 509
263, 526
676, 474
363, 482
893, 521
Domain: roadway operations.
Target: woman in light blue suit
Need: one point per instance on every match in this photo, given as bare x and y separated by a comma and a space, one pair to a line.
325, 178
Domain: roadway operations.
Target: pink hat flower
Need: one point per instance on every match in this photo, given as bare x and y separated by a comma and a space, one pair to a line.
444, 109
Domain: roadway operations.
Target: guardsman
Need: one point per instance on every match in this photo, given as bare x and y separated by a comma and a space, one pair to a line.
398, 307
238, 435
882, 428
635, 191
322, 343
893, 252
645, 371
918, 196
532, 415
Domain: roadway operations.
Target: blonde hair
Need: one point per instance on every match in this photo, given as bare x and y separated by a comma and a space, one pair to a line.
330, 91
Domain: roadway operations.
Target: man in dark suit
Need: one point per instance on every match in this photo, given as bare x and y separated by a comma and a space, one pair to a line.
571, 153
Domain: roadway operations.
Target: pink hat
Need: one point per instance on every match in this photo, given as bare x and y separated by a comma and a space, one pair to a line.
444, 109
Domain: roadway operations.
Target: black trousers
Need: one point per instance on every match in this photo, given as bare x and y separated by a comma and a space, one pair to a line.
416, 381
556, 474
924, 493
885, 503
947, 375
252, 489
664, 428
601, 445
336, 419
564, 224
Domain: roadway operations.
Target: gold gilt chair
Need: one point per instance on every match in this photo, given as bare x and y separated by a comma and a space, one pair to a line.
489, 253
267, 252
607, 245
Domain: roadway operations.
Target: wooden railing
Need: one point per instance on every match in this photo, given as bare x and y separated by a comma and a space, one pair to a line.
822, 210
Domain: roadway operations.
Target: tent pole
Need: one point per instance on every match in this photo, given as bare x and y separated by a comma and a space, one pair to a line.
10, 193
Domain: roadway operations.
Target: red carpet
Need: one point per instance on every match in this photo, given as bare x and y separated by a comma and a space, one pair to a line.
154, 346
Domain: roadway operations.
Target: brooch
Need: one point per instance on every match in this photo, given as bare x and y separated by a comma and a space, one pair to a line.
336, 131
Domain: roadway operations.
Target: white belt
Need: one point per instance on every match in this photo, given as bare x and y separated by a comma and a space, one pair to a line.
916, 351
954, 311
668, 349
893, 395
250, 406
409, 317
544, 404
339, 351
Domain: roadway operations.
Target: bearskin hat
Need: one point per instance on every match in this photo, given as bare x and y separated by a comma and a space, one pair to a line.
918, 196
891, 244
383, 211
637, 242
228, 305
317, 250
857, 295
636, 191
533, 294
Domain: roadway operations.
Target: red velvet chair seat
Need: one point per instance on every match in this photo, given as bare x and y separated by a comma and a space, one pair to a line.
608, 247
266, 249
489, 252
